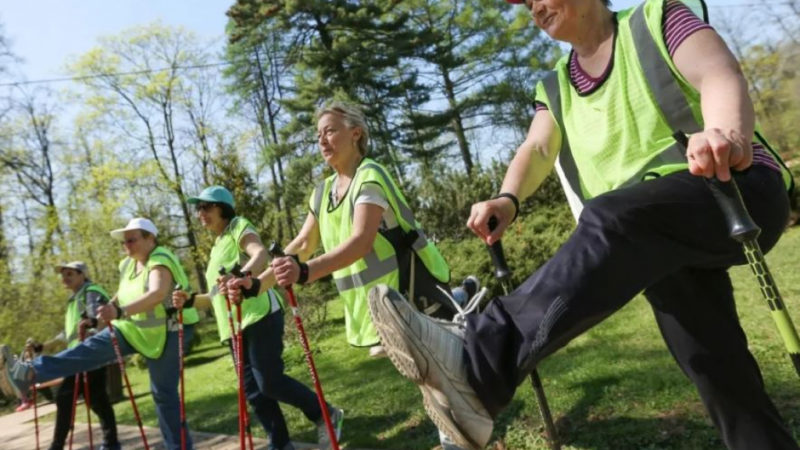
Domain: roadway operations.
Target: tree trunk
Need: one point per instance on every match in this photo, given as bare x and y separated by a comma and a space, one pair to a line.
458, 126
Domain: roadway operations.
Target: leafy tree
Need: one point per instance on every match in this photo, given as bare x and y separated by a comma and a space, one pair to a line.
29, 156
257, 74
143, 85
340, 49
476, 55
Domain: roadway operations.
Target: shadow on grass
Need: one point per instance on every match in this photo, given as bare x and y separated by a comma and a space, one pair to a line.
624, 396
217, 414
199, 361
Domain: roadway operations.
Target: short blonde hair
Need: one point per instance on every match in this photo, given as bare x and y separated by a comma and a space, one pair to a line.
352, 116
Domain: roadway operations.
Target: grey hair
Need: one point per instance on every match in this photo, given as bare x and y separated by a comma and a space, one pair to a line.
352, 116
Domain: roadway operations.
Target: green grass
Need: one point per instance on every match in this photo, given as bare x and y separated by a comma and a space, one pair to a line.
615, 387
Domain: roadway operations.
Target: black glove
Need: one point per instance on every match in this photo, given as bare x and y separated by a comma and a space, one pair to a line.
255, 287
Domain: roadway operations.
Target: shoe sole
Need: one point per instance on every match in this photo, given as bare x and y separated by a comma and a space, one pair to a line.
397, 347
402, 352
5, 376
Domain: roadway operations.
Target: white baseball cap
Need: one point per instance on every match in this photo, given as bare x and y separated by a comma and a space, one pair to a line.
80, 266
138, 223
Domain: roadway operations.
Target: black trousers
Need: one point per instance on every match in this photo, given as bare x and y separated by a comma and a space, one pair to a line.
98, 398
666, 237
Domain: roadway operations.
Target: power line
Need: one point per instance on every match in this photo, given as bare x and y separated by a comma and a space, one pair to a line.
225, 63
750, 5
113, 74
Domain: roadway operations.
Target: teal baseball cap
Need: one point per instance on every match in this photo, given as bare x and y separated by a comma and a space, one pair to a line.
213, 194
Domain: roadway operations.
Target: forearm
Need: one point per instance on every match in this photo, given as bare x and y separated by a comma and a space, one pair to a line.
202, 301
267, 280
53, 344
145, 303
527, 171
300, 247
350, 251
257, 262
725, 103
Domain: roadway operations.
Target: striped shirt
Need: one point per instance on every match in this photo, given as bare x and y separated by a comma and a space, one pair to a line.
679, 22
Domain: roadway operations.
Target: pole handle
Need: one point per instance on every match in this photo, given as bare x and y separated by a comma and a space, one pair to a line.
501, 270
275, 250
741, 226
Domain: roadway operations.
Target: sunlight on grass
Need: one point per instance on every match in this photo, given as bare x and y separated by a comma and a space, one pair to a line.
616, 387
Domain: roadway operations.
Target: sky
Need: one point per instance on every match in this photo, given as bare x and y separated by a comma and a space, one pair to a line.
45, 33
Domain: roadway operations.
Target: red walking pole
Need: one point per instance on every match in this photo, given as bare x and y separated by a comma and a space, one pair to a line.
275, 250
240, 358
74, 408
121, 363
88, 408
35, 417
180, 372
82, 333
183, 395
236, 345
27, 354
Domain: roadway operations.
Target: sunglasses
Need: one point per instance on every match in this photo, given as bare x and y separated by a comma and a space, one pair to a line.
203, 206
129, 241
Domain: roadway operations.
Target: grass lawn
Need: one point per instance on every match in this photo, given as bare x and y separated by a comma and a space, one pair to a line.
615, 387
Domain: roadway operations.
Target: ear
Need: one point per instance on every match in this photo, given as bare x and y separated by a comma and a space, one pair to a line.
357, 132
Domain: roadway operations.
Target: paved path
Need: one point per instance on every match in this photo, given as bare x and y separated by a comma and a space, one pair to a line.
17, 432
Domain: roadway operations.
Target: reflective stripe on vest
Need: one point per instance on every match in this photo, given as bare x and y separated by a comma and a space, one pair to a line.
374, 270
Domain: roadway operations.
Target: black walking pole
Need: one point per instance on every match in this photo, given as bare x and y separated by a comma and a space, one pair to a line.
742, 229
503, 273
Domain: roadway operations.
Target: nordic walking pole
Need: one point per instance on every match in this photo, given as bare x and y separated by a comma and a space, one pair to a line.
236, 271
29, 354
35, 416
742, 229
503, 273
276, 250
180, 372
88, 404
121, 362
74, 408
86, 397
82, 334
236, 365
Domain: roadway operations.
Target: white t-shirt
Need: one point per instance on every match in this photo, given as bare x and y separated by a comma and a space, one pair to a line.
372, 194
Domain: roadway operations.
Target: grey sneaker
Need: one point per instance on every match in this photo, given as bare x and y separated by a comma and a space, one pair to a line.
431, 354
16, 373
337, 418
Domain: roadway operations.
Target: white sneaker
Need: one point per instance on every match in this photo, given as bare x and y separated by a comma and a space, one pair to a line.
377, 351
447, 443
430, 353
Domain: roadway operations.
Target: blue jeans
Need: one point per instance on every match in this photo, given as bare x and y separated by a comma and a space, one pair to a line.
266, 384
97, 351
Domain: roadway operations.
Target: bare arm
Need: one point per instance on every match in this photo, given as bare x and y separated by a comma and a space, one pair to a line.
303, 245
159, 286
252, 246
533, 161
729, 119
366, 220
